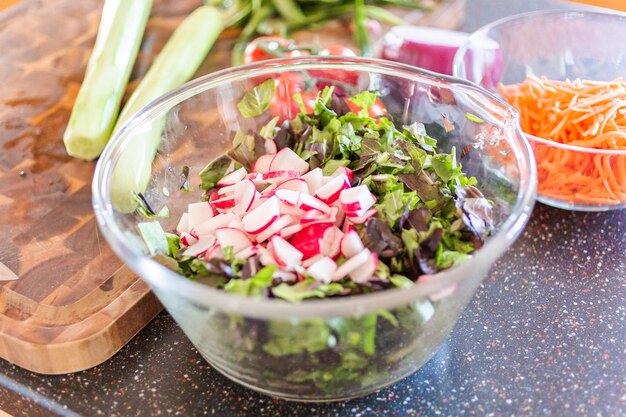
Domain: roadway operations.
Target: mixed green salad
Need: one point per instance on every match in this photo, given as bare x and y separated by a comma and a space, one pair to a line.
337, 201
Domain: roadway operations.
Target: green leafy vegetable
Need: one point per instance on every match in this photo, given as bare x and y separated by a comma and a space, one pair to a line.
473, 118
306, 289
255, 102
154, 237
252, 287
214, 172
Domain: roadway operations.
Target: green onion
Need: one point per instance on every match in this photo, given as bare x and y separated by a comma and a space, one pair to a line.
176, 63
119, 36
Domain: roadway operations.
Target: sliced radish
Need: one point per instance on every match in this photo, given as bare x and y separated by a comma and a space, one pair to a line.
308, 239
214, 252
244, 197
198, 213
277, 177
351, 244
356, 200
347, 226
322, 270
257, 201
288, 197
274, 229
316, 216
284, 276
308, 262
331, 240
330, 192
351, 264
199, 247
345, 171
340, 216
313, 179
233, 178
262, 217
183, 224
223, 204
287, 256
269, 190
294, 212
247, 252
294, 184
227, 191
361, 219
363, 273
208, 227
289, 231
236, 224
228, 236
262, 164
308, 202
288, 159
266, 256
326, 179
188, 239
270, 147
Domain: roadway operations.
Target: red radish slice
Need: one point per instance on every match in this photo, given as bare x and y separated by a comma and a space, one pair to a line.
274, 229
277, 177
188, 239
199, 247
288, 159
227, 236
183, 224
270, 147
198, 213
257, 201
208, 227
361, 219
269, 190
227, 191
313, 179
244, 197
284, 276
347, 226
351, 264
247, 252
326, 179
232, 178
287, 256
223, 204
351, 244
340, 216
266, 256
236, 224
262, 164
345, 171
262, 217
330, 192
356, 200
322, 270
363, 273
294, 184
308, 262
308, 202
288, 197
331, 240
308, 239
294, 212
316, 216
289, 231
214, 252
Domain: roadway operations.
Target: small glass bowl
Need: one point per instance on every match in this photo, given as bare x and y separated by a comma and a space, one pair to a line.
558, 45
329, 349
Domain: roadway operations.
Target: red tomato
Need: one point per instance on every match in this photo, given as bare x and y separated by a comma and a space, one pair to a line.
283, 105
378, 109
267, 47
348, 77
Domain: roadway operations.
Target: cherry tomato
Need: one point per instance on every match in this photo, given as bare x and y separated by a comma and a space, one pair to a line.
378, 109
283, 105
268, 47
348, 77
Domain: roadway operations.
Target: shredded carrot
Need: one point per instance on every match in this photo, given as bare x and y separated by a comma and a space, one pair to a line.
582, 113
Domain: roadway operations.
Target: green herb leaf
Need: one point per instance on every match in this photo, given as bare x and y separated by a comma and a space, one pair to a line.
473, 118
295, 337
254, 286
255, 102
214, 172
365, 100
306, 289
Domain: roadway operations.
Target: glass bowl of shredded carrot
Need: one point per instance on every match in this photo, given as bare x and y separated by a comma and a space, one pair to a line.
563, 71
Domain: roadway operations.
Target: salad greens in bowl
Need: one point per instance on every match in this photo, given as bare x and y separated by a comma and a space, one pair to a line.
316, 226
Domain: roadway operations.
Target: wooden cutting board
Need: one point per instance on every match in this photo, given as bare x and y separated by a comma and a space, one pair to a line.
74, 304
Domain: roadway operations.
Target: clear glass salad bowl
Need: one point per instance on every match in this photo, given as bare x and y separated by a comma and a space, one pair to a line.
558, 45
337, 348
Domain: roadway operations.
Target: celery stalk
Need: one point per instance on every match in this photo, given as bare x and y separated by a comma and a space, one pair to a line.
176, 63
119, 36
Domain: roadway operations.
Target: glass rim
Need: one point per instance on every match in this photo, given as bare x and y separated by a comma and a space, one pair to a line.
164, 279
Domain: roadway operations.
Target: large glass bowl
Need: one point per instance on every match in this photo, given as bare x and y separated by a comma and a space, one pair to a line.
558, 45
330, 349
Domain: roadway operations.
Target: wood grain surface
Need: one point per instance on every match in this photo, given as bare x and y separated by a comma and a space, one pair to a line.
74, 304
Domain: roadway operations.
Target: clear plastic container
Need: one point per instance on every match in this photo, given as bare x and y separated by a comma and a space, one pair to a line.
332, 349
558, 45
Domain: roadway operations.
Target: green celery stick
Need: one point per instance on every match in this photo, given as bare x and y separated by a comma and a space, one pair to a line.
98, 102
176, 63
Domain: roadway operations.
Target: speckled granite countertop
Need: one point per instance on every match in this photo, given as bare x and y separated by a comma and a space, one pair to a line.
544, 335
